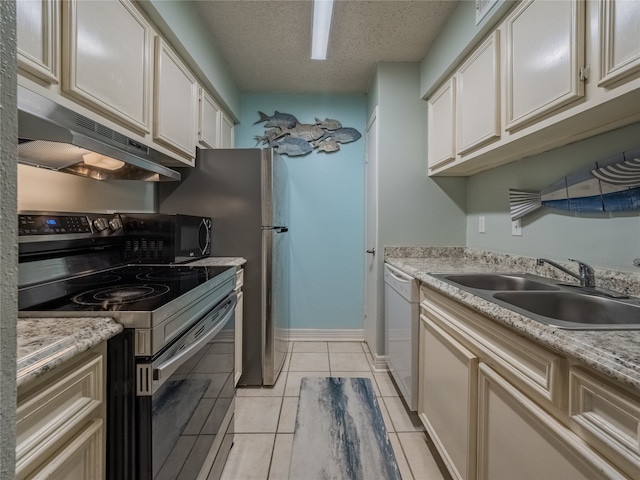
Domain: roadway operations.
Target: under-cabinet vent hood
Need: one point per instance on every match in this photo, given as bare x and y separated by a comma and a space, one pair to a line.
54, 137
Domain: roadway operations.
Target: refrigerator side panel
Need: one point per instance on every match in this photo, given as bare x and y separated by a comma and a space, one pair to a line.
226, 186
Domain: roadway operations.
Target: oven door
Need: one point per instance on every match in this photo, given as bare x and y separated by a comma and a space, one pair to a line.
185, 399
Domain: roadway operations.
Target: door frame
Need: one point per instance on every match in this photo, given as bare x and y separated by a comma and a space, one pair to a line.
370, 308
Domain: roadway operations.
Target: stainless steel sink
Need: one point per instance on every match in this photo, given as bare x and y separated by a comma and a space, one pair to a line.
550, 302
489, 281
575, 310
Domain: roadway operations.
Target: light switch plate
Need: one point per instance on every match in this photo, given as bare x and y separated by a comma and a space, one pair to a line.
481, 225
516, 228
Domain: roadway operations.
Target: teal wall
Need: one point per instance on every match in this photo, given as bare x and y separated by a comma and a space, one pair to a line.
327, 210
605, 240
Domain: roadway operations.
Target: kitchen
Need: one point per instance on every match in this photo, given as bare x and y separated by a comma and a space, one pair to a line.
458, 202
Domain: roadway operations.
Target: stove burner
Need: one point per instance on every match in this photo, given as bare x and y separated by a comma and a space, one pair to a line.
120, 294
175, 273
95, 279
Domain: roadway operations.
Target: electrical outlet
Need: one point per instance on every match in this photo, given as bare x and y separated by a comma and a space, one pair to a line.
481, 225
516, 228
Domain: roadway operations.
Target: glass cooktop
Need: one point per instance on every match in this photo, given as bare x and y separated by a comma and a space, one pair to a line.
140, 288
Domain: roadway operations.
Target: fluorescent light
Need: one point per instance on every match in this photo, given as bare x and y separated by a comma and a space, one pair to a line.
322, 10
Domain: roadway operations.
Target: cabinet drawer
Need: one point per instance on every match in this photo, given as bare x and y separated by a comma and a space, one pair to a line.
46, 416
535, 369
608, 417
81, 458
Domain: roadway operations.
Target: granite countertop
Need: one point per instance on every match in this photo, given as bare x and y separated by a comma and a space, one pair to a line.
615, 353
45, 343
219, 262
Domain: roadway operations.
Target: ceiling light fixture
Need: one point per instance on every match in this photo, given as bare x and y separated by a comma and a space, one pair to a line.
322, 10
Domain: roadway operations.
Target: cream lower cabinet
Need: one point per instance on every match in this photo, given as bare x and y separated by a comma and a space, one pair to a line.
447, 398
239, 316
499, 406
518, 439
61, 421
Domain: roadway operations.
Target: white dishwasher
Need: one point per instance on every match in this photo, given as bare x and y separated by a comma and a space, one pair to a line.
401, 320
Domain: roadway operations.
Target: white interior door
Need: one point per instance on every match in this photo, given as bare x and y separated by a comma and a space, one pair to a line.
371, 235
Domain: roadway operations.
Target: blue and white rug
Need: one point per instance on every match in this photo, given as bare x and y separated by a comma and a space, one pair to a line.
340, 434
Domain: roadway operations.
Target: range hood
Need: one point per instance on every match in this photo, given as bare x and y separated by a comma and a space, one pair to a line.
54, 137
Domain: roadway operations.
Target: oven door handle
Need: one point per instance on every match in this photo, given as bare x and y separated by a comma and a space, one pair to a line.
165, 369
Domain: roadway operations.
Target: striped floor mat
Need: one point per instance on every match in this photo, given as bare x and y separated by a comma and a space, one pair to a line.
340, 433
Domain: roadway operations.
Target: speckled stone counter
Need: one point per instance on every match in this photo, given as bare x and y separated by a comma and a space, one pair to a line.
45, 343
614, 353
219, 262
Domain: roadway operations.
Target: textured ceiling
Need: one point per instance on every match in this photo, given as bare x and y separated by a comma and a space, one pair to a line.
267, 43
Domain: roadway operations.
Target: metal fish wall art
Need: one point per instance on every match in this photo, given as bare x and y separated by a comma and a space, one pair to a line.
611, 185
289, 137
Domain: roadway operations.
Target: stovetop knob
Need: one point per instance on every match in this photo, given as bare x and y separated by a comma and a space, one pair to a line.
100, 224
115, 224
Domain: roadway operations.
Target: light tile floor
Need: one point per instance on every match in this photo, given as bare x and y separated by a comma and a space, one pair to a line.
265, 417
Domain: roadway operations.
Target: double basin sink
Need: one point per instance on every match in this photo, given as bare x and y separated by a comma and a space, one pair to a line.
550, 302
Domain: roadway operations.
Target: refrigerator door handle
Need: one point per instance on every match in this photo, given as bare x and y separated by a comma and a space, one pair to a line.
277, 228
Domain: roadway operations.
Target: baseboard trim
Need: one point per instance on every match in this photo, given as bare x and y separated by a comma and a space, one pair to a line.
379, 363
326, 335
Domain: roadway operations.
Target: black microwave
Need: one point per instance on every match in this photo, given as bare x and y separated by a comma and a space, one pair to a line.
164, 238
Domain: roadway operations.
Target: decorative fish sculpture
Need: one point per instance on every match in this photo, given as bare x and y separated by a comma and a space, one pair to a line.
328, 124
605, 186
304, 131
342, 135
282, 120
328, 146
293, 147
269, 136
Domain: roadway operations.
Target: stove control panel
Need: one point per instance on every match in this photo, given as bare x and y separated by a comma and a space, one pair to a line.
65, 224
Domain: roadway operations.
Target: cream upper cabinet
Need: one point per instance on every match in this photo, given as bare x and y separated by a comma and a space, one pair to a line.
209, 121
227, 132
107, 60
38, 29
441, 148
478, 97
544, 55
619, 40
175, 102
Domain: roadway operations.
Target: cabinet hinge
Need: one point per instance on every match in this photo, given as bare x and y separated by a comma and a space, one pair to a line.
584, 73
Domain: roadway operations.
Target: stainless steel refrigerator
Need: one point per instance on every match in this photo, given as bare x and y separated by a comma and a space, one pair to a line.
245, 192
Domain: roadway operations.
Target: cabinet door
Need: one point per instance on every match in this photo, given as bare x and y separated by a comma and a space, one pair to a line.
209, 124
478, 97
227, 134
544, 54
175, 102
447, 397
107, 60
517, 439
619, 40
441, 147
37, 24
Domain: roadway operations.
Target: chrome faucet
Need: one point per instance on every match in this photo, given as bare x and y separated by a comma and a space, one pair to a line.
586, 275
